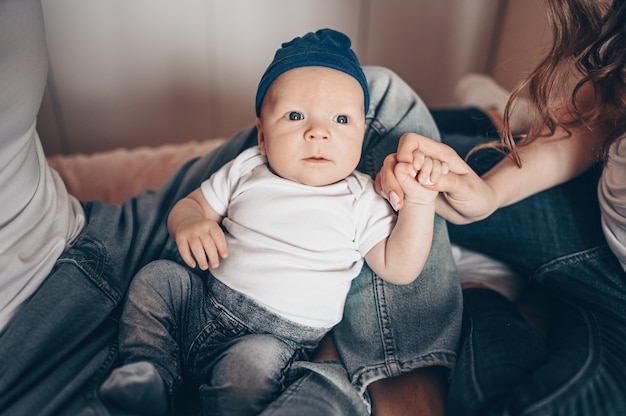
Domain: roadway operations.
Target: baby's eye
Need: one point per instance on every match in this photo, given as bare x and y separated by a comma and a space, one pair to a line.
341, 119
294, 115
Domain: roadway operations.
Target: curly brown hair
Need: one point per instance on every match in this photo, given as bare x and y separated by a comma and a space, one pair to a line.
585, 68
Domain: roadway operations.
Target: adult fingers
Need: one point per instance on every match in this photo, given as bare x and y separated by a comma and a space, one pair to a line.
386, 183
411, 142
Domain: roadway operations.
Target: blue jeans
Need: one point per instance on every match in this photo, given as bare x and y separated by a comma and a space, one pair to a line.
231, 349
62, 344
504, 367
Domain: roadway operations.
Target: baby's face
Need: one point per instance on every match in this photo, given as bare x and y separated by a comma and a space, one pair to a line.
312, 125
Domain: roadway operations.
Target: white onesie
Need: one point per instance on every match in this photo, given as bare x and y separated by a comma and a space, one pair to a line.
295, 248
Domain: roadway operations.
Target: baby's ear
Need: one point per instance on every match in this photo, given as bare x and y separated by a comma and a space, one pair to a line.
259, 135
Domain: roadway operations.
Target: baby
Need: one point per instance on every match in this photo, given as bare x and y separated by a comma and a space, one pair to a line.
282, 230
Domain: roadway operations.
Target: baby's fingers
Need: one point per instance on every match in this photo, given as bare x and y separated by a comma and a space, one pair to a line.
201, 252
185, 253
219, 242
429, 170
213, 248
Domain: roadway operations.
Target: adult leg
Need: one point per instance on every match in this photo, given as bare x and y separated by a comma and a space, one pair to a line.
506, 368
464, 128
321, 388
555, 239
493, 333
391, 330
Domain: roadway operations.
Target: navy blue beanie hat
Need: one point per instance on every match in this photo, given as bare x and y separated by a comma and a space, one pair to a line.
326, 47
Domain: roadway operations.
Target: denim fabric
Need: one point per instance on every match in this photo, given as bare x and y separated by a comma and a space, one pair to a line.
405, 327
57, 350
555, 239
318, 389
464, 128
249, 372
187, 324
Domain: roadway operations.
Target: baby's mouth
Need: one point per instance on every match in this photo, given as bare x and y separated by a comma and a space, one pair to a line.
316, 159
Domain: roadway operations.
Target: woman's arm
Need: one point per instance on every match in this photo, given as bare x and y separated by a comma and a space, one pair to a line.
465, 197
545, 163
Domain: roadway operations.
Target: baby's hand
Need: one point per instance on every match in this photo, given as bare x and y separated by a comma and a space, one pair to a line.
202, 240
429, 170
418, 178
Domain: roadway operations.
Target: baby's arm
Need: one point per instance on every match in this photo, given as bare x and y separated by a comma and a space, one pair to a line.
400, 258
195, 227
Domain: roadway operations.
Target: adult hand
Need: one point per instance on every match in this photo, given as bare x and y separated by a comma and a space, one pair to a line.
464, 197
414, 178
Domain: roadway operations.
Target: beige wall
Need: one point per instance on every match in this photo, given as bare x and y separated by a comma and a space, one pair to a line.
522, 39
127, 73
